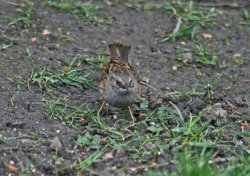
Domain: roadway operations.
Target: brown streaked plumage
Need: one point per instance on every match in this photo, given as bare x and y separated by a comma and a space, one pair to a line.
120, 83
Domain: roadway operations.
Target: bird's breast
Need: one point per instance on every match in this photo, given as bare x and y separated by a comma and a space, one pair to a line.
120, 100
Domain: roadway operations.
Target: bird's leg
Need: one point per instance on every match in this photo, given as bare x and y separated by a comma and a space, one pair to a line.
132, 117
101, 108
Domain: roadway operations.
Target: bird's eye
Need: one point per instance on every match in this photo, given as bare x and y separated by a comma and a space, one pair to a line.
131, 83
118, 83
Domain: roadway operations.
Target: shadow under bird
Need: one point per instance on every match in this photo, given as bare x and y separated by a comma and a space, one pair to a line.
120, 83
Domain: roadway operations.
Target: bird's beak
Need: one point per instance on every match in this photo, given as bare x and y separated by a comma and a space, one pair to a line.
127, 88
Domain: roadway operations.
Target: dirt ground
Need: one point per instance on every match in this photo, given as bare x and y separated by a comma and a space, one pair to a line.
27, 130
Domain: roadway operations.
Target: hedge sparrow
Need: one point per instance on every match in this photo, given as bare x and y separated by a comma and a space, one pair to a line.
120, 84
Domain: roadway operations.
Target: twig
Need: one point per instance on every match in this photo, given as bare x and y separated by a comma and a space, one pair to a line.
148, 85
178, 25
232, 107
143, 167
15, 4
221, 160
232, 5
8, 148
162, 95
178, 110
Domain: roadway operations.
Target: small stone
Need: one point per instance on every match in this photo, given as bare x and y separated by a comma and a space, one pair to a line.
56, 144
207, 35
187, 56
150, 146
183, 42
174, 68
237, 55
10, 168
109, 155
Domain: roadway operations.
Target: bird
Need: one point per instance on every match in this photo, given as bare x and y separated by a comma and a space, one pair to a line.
119, 82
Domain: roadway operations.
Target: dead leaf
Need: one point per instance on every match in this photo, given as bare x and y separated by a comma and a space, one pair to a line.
109, 155
153, 163
10, 168
183, 42
185, 61
65, 69
227, 88
33, 39
46, 32
207, 35
243, 125
79, 173
102, 65
137, 169
33, 170
145, 134
199, 74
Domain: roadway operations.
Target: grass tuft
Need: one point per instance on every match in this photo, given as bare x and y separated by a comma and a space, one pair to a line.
77, 8
190, 19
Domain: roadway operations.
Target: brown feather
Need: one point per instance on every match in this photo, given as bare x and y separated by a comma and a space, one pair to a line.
118, 63
119, 50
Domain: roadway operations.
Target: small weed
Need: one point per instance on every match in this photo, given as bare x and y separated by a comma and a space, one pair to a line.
111, 2
15, 97
210, 83
185, 93
191, 131
28, 57
189, 19
205, 57
4, 46
24, 168
142, 6
5, 138
100, 62
246, 14
24, 19
76, 7
237, 167
64, 39
19, 82
98, 121
184, 55
54, 108
69, 75
89, 142
85, 164
239, 61
57, 159
33, 146
189, 164
143, 103
73, 116
145, 79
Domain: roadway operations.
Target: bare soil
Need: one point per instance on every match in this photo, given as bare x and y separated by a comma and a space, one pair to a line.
23, 122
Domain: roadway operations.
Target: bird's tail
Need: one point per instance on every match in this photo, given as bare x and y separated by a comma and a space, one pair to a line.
120, 50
